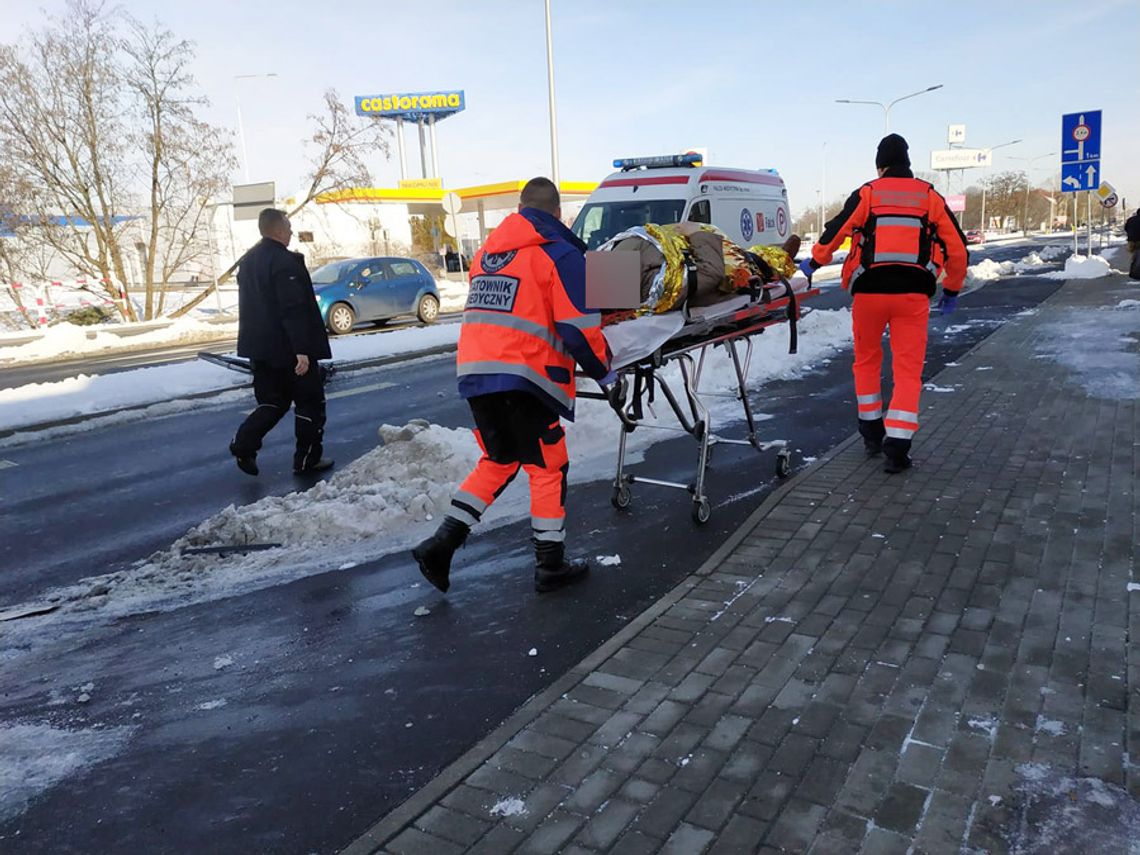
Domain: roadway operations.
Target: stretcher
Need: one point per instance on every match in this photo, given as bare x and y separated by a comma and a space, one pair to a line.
643, 347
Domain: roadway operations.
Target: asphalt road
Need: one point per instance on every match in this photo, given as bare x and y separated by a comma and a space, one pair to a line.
339, 703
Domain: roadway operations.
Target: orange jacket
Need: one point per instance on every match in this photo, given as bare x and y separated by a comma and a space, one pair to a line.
902, 237
525, 325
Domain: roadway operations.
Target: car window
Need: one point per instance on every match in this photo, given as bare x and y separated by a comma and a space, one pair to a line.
402, 268
600, 221
329, 273
700, 212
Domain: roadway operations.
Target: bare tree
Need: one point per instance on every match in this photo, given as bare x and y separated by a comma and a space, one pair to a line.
340, 146
187, 164
96, 118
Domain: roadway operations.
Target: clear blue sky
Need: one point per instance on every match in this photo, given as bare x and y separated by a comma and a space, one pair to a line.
753, 82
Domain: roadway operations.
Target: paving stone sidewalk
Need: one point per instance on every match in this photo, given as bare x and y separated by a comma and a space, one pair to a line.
938, 661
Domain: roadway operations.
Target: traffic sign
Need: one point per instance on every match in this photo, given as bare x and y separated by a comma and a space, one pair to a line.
1080, 136
451, 203
1077, 177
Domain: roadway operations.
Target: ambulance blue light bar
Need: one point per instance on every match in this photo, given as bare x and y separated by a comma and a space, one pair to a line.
661, 161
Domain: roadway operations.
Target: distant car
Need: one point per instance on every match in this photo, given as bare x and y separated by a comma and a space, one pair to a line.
374, 289
975, 236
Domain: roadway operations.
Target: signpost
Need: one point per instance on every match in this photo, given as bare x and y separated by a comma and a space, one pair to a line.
452, 205
1080, 160
251, 199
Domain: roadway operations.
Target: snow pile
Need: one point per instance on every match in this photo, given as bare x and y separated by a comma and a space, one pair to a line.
988, 270
512, 806
452, 295
373, 503
1059, 813
36, 757
1082, 267
1052, 252
71, 340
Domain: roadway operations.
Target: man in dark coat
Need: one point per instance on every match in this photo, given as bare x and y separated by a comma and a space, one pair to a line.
281, 332
1132, 232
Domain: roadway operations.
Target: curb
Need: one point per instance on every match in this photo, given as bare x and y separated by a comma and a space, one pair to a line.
374, 362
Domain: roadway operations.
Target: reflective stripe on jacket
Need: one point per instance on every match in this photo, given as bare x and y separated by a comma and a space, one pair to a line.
525, 324
902, 237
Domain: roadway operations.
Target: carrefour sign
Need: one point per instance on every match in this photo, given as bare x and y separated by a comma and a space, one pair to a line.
411, 105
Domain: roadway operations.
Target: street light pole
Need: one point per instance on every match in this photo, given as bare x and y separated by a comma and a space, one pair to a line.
992, 149
886, 108
1025, 206
241, 128
553, 114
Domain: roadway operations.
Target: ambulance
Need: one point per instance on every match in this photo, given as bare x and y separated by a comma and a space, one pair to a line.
749, 206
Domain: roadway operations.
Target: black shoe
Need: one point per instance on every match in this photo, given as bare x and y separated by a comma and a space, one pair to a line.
247, 463
322, 465
897, 453
574, 570
894, 464
873, 434
434, 554
552, 570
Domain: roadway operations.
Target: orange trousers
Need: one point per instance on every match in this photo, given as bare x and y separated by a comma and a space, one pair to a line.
906, 316
515, 432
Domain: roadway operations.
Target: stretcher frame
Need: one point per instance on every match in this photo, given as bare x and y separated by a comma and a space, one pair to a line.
689, 347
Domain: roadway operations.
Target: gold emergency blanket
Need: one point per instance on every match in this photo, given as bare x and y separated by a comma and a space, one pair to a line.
665, 287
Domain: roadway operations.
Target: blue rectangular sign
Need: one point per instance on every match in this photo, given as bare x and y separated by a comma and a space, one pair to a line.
1077, 177
1080, 136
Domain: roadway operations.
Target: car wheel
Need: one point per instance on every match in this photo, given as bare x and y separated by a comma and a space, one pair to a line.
341, 319
428, 309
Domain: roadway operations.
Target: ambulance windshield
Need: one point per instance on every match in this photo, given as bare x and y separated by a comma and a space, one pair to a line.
600, 221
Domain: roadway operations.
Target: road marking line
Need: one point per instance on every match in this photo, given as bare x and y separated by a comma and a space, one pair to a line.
7, 464
359, 390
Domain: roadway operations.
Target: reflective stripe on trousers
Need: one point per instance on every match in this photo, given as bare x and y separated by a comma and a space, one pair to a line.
547, 488
906, 316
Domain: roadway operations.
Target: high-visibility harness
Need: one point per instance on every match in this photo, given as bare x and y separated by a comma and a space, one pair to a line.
897, 230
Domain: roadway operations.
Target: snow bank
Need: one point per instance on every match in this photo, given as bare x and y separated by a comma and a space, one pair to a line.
988, 270
36, 757
393, 496
71, 340
1082, 267
85, 395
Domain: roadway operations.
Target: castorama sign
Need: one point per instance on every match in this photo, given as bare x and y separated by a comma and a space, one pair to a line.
411, 105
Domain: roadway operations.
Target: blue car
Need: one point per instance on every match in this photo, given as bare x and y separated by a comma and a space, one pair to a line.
374, 289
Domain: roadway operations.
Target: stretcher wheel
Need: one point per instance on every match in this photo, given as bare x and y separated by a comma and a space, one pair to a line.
783, 464
702, 510
622, 497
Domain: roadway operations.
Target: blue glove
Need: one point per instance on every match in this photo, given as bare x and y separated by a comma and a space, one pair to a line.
948, 303
609, 379
806, 268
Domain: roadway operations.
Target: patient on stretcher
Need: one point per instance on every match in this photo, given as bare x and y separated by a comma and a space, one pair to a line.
669, 253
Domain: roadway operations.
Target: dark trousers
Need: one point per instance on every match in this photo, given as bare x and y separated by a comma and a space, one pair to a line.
276, 388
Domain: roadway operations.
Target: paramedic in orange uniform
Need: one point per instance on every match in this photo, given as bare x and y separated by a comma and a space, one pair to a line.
524, 327
903, 236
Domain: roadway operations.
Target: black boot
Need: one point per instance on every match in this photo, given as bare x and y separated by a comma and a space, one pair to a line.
552, 570
872, 431
434, 554
897, 453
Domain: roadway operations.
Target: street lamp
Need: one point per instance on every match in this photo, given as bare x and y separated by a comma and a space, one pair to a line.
1025, 208
550, 95
992, 149
241, 129
887, 107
